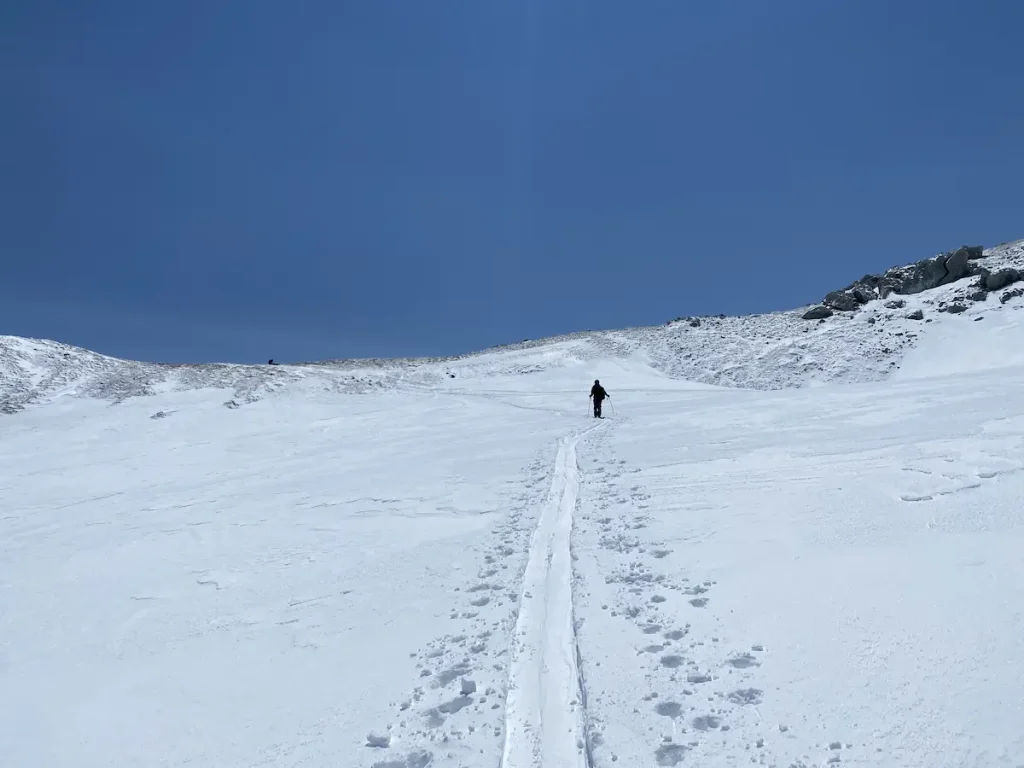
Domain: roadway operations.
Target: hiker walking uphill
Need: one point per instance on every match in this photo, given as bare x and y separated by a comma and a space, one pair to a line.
597, 394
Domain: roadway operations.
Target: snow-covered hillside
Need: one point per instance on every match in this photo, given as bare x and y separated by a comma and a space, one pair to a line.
403, 564
772, 351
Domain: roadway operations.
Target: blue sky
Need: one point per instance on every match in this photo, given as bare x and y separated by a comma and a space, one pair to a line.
237, 181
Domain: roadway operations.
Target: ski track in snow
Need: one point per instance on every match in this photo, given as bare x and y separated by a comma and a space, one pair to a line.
437, 564
544, 711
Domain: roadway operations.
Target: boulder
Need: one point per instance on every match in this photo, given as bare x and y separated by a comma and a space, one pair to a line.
842, 301
996, 281
864, 293
958, 265
896, 304
917, 314
974, 252
954, 309
817, 313
979, 296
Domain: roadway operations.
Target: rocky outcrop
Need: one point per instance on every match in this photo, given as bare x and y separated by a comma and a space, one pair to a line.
929, 273
915, 278
817, 313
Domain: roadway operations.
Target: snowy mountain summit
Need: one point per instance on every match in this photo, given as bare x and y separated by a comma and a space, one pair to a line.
862, 333
451, 563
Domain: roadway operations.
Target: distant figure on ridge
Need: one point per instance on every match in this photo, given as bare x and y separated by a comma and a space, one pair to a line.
271, 362
597, 394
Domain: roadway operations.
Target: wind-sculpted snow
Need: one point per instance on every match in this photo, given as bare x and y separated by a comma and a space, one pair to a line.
779, 350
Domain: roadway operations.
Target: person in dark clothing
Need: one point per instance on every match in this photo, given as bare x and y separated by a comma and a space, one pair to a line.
597, 394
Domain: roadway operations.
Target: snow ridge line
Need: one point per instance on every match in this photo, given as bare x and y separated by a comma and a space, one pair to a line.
544, 710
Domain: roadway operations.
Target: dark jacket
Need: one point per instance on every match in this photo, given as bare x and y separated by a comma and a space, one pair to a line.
597, 392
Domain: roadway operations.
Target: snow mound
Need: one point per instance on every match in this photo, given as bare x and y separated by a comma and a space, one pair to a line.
778, 350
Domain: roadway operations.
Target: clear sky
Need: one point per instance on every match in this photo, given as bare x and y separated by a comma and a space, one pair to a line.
201, 180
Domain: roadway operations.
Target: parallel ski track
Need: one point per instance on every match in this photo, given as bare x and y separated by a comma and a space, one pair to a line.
545, 712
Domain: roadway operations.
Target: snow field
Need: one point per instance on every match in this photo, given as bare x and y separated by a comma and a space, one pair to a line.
839, 582
262, 586
471, 572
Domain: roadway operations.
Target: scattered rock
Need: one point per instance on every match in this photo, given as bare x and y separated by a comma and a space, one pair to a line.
979, 296
917, 314
896, 304
817, 313
1011, 295
468, 687
954, 309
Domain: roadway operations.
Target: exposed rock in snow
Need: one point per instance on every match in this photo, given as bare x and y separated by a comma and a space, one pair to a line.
844, 301
767, 351
1011, 295
817, 313
916, 278
995, 281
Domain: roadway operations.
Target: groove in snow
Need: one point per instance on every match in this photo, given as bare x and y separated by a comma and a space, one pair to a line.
544, 709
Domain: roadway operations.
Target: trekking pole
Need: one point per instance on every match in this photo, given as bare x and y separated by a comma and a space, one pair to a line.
612, 405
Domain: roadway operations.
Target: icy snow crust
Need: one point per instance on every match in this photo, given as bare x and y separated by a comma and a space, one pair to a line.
376, 564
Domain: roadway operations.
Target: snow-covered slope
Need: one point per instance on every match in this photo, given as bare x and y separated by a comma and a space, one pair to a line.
771, 351
381, 566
